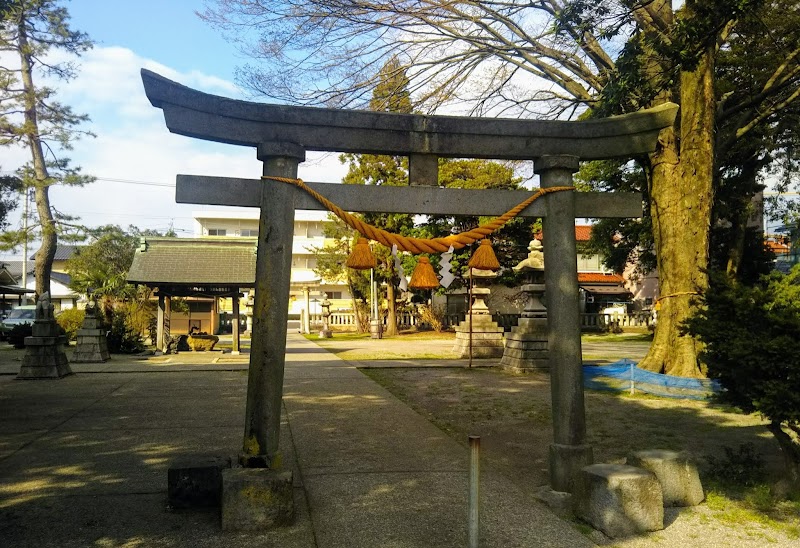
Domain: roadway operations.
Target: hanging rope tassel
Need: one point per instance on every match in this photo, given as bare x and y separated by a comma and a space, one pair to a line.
361, 258
423, 276
484, 257
420, 245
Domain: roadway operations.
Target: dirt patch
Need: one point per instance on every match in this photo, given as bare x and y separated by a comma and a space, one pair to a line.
512, 414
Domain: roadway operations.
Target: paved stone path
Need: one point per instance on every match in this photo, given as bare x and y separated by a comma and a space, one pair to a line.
83, 460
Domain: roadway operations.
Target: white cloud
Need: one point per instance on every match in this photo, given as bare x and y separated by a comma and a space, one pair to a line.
134, 144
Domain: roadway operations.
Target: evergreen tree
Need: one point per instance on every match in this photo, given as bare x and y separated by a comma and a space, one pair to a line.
390, 95
750, 336
31, 117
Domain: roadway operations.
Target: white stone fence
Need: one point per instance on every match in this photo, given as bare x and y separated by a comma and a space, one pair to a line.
605, 322
345, 321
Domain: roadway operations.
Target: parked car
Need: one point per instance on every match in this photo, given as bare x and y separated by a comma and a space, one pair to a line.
22, 314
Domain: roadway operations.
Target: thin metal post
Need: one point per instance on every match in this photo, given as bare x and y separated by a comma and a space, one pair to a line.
469, 311
633, 389
474, 490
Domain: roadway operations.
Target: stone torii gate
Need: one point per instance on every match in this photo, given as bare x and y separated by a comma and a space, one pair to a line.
282, 135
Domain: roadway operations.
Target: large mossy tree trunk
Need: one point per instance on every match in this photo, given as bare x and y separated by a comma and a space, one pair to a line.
681, 190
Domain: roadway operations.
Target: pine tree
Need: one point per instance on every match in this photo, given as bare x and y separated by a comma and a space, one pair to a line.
32, 118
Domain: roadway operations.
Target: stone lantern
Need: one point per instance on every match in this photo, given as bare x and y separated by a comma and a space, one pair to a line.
526, 345
325, 332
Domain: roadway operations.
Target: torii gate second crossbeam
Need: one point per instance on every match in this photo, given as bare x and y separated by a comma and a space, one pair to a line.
283, 134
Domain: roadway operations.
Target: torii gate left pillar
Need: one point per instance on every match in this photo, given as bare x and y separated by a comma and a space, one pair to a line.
270, 308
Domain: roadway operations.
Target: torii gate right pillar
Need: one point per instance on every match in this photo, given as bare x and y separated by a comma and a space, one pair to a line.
569, 452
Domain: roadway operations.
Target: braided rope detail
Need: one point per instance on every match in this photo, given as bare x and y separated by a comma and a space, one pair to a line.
420, 245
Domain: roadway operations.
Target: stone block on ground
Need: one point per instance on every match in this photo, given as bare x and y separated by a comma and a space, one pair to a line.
202, 343
256, 499
619, 500
558, 501
678, 476
196, 483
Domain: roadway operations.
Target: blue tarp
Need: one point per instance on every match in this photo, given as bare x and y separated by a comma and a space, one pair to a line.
619, 375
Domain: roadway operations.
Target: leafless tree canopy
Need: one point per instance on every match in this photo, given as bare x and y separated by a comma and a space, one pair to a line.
503, 56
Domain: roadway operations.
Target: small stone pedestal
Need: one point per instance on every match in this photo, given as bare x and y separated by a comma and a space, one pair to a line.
487, 336
44, 352
256, 499
92, 344
619, 500
678, 476
526, 345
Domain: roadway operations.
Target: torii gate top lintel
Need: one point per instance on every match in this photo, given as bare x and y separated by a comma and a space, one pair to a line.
196, 114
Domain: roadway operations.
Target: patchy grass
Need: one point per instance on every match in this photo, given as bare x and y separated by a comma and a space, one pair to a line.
402, 336
423, 345
617, 337
338, 336
754, 506
512, 414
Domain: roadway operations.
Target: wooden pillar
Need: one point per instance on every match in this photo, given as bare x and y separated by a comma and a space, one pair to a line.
307, 316
235, 349
162, 327
569, 452
270, 307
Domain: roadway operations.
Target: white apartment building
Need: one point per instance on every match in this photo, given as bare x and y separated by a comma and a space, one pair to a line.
308, 233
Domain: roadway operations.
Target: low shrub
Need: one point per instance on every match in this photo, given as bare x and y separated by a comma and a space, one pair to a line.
740, 467
432, 315
71, 321
123, 339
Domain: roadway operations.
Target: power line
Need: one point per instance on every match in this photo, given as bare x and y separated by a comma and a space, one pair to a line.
133, 182
116, 180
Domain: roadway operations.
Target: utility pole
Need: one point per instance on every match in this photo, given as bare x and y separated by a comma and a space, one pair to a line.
25, 240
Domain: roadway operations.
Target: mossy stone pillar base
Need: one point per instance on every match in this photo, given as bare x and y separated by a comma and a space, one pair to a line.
256, 499
566, 463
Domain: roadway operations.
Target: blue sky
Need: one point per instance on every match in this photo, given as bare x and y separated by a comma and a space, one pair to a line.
132, 142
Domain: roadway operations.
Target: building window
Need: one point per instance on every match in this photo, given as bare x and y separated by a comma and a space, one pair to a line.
250, 232
334, 294
216, 232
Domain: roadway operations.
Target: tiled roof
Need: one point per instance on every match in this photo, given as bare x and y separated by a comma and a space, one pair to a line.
61, 277
777, 247
599, 278
582, 233
15, 268
63, 252
228, 261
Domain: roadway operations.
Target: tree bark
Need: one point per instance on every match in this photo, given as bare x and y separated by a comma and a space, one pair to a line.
46, 254
391, 299
391, 309
790, 449
359, 320
681, 182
